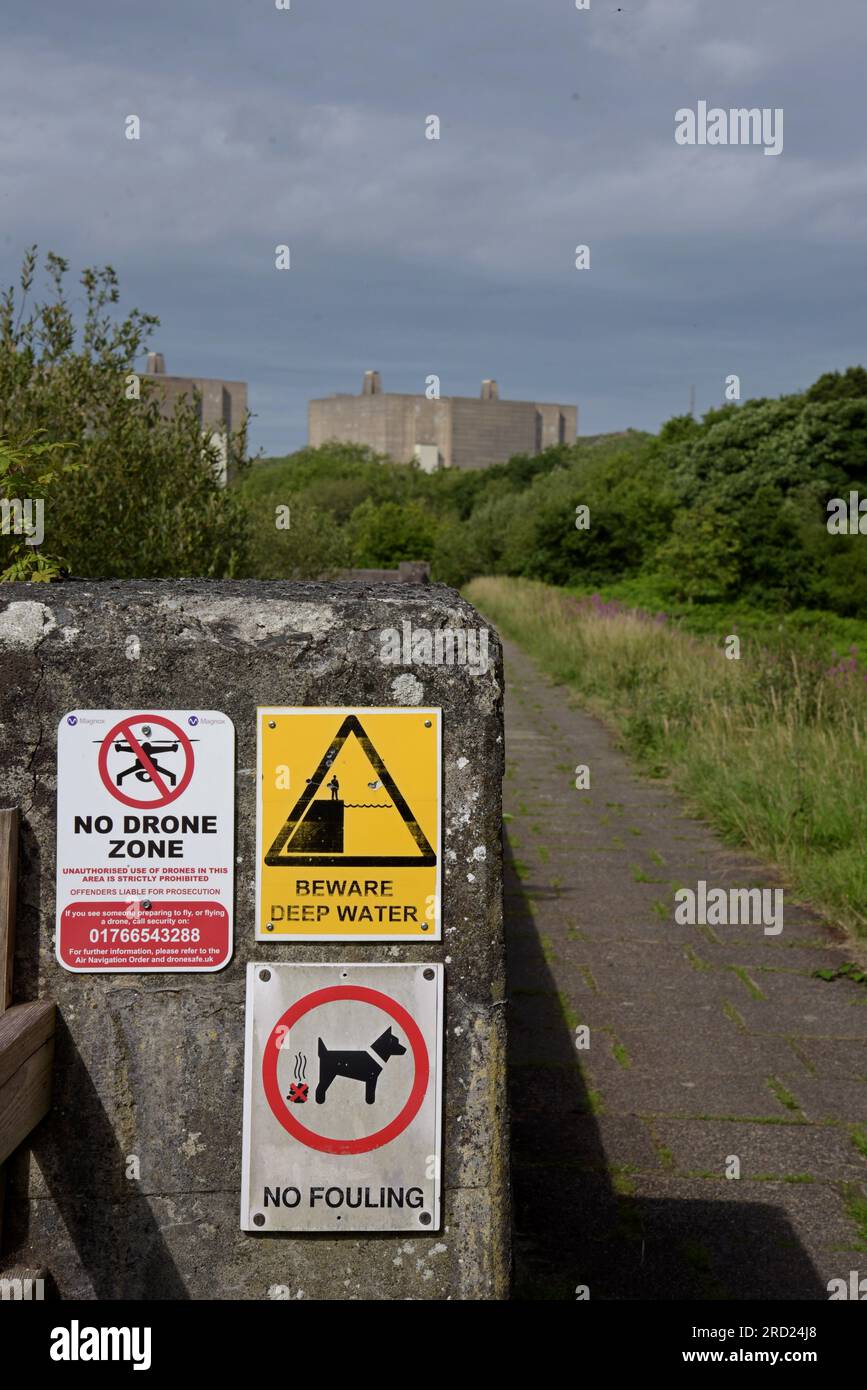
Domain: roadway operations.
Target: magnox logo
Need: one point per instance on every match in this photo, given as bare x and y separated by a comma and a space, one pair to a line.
738, 126
77, 1343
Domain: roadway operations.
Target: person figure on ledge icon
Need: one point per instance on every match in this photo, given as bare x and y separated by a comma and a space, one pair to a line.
335, 787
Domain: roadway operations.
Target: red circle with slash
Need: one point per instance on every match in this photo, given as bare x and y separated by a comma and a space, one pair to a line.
322, 1142
166, 794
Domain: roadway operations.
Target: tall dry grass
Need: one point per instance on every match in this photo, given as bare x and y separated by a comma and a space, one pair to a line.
771, 748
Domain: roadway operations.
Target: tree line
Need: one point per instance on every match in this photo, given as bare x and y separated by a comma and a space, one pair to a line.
732, 505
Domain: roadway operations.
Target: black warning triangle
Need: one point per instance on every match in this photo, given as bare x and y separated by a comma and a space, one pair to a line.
425, 856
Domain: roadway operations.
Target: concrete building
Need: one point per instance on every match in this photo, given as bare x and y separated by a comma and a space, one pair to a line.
222, 405
450, 432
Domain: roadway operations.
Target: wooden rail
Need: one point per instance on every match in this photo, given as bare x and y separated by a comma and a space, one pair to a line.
26, 1030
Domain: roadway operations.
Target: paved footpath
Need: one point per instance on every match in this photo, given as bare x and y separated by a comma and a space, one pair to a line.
706, 1044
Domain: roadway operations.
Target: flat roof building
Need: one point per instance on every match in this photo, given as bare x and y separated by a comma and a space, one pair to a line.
444, 432
222, 406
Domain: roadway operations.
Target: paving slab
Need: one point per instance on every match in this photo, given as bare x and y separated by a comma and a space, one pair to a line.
705, 1041
783, 1152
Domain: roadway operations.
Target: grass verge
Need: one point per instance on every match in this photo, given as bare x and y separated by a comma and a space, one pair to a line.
771, 748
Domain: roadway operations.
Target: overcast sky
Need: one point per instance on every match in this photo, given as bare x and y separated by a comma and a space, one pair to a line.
455, 257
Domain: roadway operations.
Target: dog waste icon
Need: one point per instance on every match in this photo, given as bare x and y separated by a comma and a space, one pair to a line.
299, 1089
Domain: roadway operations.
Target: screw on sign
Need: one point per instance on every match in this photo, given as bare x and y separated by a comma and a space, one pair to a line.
146, 751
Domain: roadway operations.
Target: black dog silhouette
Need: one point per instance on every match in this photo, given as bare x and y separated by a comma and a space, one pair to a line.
358, 1066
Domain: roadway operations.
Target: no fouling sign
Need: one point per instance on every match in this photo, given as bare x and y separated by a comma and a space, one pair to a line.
342, 1096
145, 834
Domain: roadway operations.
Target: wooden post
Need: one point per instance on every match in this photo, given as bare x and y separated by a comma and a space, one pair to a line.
26, 1052
8, 883
26, 1030
8, 880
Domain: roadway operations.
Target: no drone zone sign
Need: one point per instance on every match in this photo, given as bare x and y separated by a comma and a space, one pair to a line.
348, 824
342, 1098
145, 837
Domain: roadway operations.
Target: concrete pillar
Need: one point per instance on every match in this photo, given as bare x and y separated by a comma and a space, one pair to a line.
150, 1066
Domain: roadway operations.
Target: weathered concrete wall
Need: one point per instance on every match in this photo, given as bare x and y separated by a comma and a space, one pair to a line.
469, 432
152, 1065
223, 402
486, 432
558, 424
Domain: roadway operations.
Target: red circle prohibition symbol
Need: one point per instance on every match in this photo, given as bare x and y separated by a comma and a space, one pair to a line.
400, 1122
167, 794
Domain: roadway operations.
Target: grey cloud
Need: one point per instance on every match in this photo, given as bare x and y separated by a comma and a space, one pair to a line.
307, 127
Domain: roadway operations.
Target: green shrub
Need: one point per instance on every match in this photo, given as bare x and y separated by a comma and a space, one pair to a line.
130, 494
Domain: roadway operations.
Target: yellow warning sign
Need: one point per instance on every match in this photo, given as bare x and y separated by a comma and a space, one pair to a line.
348, 824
